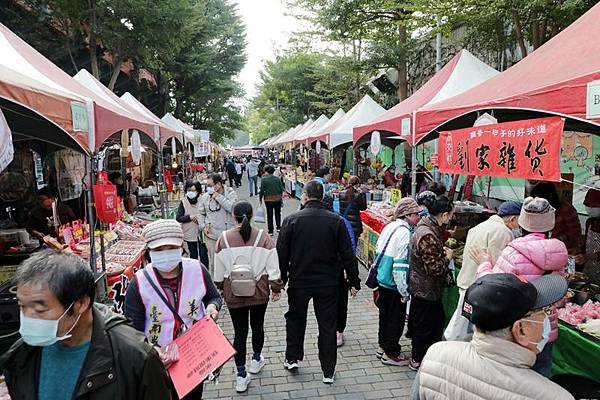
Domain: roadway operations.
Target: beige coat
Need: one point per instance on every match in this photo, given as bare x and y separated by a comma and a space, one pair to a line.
486, 368
492, 235
215, 212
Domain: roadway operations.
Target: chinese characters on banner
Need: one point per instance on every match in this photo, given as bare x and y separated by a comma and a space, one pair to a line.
202, 350
528, 149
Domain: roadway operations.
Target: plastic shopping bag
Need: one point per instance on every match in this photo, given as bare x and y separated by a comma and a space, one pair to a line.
260, 216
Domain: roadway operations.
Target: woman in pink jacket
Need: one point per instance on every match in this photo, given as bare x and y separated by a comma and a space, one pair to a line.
531, 256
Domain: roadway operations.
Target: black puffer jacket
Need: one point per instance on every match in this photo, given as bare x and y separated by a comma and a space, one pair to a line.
358, 203
119, 365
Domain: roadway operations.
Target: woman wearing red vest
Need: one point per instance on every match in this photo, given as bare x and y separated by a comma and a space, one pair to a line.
171, 293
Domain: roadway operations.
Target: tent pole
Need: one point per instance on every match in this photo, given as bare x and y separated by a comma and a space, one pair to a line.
161, 184
414, 156
90, 209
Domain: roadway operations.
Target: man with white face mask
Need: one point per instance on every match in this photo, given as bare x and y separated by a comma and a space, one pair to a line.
171, 293
511, 328
72, 348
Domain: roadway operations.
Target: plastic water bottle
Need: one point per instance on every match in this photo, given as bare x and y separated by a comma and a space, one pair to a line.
570, 265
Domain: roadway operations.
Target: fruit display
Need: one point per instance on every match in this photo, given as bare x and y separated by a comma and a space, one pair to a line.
575, 314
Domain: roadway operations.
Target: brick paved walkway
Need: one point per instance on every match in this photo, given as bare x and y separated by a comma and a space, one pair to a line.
359, 375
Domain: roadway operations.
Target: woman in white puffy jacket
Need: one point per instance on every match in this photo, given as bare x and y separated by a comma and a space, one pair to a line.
247, 271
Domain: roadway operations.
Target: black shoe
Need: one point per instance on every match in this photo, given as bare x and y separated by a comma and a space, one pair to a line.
291, 365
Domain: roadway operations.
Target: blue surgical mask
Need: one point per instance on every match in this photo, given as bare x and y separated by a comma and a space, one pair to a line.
545, 333
191, 195
43, 332
165, 260
210, 189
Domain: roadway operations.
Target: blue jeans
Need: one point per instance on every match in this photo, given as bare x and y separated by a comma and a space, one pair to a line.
253, 181
543, 364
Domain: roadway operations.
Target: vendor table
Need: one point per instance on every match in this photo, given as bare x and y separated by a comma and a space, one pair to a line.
575, 353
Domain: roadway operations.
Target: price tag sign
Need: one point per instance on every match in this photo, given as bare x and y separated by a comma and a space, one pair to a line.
396, 196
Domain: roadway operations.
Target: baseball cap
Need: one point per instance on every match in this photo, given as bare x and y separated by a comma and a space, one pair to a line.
496, 301
509, 208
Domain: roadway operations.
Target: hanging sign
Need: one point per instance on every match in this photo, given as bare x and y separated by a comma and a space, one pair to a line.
79, 117
318, 146
124, 143
136, 147
173, 146
593, 100
522, 149
201, 147
405, 127
375, 143
7, 151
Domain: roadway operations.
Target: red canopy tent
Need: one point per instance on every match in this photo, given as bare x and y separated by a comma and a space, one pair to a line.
28, 90
144, 123
551, 80
30, 66
461, 73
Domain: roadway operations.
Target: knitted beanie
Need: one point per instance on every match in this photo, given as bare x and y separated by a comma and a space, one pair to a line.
537, 215
163, 232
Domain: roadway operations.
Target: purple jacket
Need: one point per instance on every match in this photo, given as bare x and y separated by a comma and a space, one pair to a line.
531, 256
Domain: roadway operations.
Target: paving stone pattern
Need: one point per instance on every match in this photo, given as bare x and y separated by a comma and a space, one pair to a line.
359, 375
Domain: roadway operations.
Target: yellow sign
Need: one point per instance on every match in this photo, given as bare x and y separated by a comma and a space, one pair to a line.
7, 273
396, 196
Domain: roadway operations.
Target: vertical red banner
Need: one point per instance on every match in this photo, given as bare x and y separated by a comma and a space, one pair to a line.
528, 149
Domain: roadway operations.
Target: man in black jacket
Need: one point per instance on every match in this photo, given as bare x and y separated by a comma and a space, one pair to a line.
314, 249
71, 347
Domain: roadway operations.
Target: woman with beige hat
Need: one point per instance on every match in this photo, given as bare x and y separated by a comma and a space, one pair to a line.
171, 293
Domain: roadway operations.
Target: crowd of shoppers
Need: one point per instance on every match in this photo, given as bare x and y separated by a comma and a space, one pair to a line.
502, 331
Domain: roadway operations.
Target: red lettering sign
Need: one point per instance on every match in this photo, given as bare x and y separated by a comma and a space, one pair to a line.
528, 149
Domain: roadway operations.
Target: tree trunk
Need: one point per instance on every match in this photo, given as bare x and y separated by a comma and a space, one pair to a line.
543, 28
117, 61
402, 64
93, 43
535, 34
519, 33
73, 63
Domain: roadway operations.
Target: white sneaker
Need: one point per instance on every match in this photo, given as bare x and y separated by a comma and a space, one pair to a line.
241, 383
256, 366
328, 380
291, 365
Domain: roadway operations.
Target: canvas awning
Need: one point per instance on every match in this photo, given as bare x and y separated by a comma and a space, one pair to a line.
552, 80
340, 132
165, 131
317, 124
461, 73
313, 137
29, 89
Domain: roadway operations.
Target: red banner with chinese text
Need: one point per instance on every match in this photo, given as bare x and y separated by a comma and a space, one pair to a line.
528, 149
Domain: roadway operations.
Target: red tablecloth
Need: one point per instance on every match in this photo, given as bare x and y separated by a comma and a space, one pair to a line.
373, 220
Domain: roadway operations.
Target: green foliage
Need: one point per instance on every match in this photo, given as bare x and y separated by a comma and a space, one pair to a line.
194, 49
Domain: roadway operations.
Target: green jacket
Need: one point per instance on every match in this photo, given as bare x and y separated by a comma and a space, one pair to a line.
271, 188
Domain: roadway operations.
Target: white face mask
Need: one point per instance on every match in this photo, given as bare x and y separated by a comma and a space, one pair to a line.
210, 189
545, 334
593, 212
43, 332
191, 195
165, 260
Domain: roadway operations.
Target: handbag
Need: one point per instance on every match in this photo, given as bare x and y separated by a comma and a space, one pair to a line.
450, 278
371, 281
260, 216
